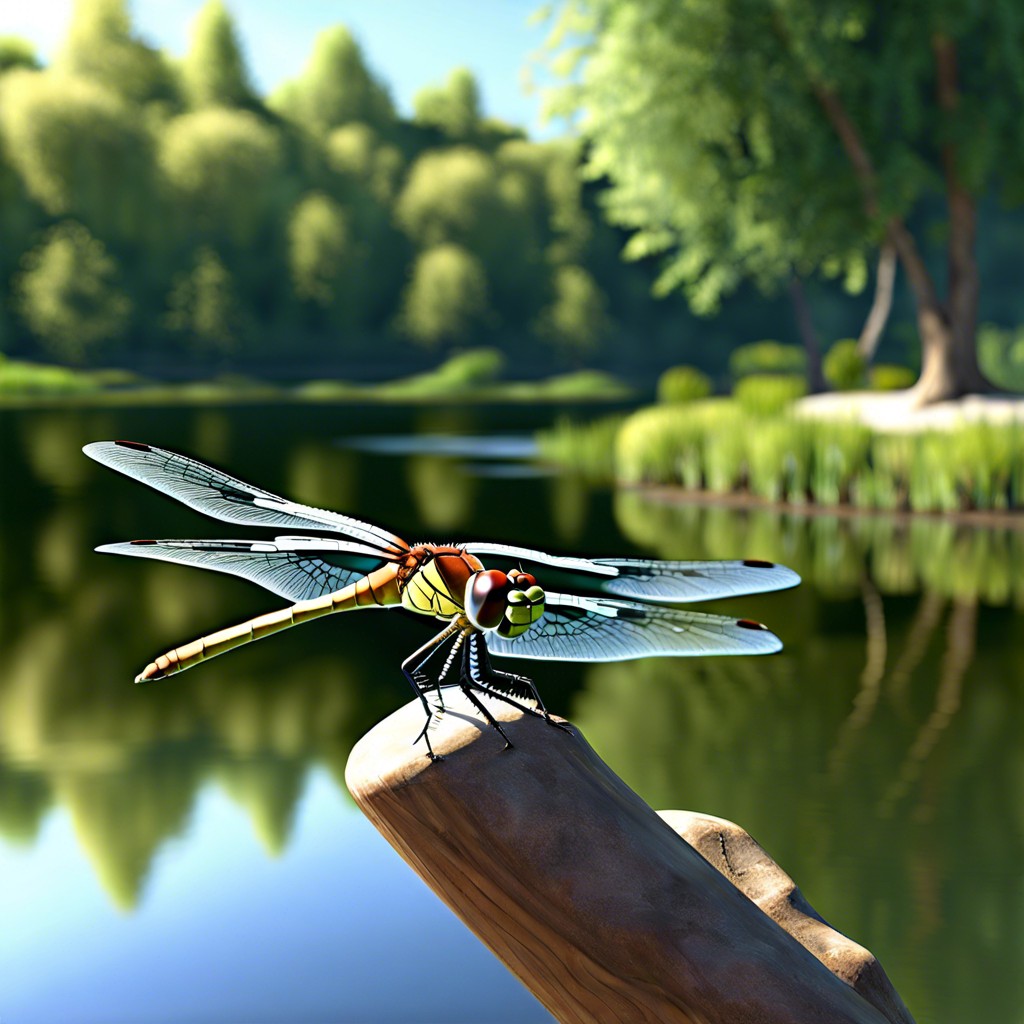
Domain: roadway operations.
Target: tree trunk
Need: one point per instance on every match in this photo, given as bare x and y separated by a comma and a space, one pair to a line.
949, 361
808, 335
881, 306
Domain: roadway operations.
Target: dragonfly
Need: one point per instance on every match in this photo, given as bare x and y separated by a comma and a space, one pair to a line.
607, 609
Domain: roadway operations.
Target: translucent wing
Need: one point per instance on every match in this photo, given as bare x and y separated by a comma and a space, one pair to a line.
648, 579
216, 494
576, 628
286, 566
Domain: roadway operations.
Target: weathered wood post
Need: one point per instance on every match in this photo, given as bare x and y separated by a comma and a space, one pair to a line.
582, 890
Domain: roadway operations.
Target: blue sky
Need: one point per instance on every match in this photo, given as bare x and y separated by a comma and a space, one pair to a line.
409, 43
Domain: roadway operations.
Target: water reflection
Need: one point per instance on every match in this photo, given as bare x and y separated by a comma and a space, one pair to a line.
878, 758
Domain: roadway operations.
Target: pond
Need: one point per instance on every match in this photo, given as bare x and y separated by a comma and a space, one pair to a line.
188, 851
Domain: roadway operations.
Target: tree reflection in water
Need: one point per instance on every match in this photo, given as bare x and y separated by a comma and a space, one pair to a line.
878, 758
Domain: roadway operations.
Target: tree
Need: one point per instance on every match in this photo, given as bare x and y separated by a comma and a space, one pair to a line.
204, 306
78, 148
223, 166
446, 298
577, 319
453, 107
334, 88
68, 293
328, 260
461, 196
776, 141
214, 71
100, 46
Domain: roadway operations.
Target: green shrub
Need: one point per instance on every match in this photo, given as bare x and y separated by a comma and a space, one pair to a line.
1001, 355
683, 384
766, 357
891, 378
459, 374
768, 394
844, 366
18, 378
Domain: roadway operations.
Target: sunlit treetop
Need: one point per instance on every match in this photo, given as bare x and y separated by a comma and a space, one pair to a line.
100, 45
452, 107
334, 88
213, 71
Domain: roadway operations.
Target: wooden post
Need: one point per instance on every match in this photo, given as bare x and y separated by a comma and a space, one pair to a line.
579, 887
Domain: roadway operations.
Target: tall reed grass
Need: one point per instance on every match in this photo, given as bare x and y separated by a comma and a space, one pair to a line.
719, 446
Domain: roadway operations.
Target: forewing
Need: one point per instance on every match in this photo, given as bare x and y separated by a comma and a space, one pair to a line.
649, 579
286, 566
576, 628
216, 494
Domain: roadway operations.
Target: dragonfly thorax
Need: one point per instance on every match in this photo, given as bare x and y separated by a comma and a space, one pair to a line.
506, 603
433, 580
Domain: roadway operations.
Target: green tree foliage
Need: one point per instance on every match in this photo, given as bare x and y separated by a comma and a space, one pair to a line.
326, 258
100, 46
68, 293
447, 297
356, 152
203, 306
223, 166
213, 71
453, 108
78, 148
577, 318
336, 232
462, 196
334, 88
17, 53
752, 141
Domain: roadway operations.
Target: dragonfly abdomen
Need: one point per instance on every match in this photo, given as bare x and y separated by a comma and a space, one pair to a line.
376, 590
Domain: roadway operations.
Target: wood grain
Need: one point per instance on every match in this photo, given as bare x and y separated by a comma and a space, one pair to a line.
578, 886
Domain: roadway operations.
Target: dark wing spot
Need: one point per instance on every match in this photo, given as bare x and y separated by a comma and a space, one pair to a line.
143, 542
756, 563
750, 624
135, 445
239, 497
630, 613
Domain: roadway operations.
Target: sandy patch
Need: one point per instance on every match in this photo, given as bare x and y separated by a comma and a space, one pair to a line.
893, 411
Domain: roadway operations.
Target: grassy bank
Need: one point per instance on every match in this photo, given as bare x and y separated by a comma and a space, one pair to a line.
473, 376
720, 446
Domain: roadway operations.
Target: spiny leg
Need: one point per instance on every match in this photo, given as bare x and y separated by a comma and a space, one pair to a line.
482, 708
449, 661
487, 674
413, 672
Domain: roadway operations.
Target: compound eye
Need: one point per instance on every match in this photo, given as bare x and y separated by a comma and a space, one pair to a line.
486, 598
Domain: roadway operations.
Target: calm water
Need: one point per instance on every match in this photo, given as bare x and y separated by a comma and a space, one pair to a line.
188, 851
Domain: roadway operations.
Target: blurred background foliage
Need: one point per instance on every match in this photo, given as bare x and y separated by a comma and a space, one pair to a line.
159, 215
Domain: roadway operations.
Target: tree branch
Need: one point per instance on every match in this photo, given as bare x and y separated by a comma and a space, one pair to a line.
881, 305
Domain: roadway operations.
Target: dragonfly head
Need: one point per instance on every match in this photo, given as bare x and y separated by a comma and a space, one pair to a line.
507, 602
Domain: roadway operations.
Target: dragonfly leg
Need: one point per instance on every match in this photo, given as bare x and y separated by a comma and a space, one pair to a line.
412, 669
491, 675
